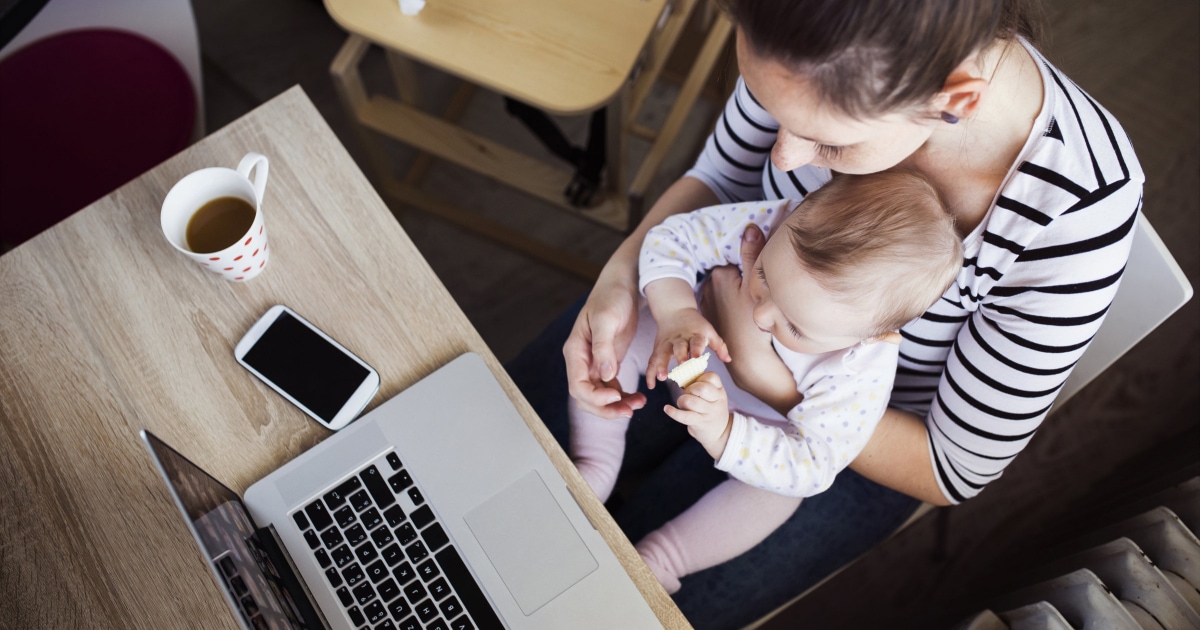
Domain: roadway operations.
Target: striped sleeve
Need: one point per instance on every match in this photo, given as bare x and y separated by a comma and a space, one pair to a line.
986, 363
737, 149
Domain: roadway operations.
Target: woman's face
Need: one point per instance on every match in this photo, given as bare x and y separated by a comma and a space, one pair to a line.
814, 132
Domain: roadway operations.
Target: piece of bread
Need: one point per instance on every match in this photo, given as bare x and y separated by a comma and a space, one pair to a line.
687, 372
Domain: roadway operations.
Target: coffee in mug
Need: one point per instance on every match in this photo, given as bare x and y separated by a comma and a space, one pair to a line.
219, 224
214, 216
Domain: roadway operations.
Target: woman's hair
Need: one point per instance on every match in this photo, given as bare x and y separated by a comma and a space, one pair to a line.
883, 241
872, 57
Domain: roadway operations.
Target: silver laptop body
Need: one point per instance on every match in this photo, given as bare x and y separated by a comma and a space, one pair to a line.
480, 530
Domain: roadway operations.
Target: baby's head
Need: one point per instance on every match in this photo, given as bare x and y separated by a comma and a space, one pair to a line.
858, 259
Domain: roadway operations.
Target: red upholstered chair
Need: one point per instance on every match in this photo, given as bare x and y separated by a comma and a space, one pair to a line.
81, 113
92, 94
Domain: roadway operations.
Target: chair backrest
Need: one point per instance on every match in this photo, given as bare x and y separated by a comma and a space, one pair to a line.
1152, 288
170, 23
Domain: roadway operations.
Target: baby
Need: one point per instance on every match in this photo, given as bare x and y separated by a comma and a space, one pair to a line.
856, 260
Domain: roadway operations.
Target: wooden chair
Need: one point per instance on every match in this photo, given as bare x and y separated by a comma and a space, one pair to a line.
1152, 288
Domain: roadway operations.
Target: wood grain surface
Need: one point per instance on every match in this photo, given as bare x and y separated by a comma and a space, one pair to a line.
563, 56
106, 330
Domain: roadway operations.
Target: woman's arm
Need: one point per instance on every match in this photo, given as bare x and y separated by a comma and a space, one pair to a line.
897, 456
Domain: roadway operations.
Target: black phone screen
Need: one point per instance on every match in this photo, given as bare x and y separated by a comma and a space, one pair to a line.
306, 366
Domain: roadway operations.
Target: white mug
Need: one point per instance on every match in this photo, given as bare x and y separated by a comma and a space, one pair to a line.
244, 258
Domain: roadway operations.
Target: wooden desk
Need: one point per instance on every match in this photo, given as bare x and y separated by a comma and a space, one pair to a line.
562, 56
105, 330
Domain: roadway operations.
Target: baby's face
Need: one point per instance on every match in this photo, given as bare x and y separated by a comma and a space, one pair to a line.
791, 305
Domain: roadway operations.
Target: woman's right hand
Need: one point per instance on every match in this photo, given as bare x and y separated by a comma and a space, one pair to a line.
597, 344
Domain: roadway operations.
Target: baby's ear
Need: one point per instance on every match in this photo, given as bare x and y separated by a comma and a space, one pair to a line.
892, 338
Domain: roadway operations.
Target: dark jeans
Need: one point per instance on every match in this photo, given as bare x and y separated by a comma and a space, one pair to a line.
665, 471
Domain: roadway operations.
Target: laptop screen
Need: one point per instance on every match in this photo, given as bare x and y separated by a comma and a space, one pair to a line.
246, 561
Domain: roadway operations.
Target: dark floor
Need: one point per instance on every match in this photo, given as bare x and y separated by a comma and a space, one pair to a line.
1141, 60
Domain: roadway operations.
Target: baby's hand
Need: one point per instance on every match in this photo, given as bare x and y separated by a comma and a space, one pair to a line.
704, 408
683, 334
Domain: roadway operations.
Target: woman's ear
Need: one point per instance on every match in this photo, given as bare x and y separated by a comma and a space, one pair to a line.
963, 91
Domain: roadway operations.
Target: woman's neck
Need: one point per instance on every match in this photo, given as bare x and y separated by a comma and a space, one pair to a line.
968, 161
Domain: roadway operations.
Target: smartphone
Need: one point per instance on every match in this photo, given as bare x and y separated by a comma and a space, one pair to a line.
307, 367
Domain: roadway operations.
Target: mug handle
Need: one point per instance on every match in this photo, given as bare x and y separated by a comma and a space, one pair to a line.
258, 163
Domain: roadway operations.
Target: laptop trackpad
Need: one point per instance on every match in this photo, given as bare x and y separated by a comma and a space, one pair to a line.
529, 540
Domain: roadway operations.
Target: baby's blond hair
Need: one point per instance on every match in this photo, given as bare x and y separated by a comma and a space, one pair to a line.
884, 241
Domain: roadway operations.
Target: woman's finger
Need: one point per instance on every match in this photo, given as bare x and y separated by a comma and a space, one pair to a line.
752, 245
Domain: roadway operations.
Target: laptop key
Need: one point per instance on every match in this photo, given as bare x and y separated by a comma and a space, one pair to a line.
450, 608
386, 625
375, 612
415, 495
400, 481
462, 623
344, 517
377, 571
311, 538
366, 553
404, 573
376, 486
409, 624
435, 537
338, 495
356, 616
355, 535
426, 610
406, 533
392, 554
382, 537
360, 500
415, 592
353, 574
323, 559
417, 551
437, 624
371, 518
439, 589
342, 556
335, 578
363, 593
388, 590
471, 596
393, 460
332, 537
318, 515
428, 570
422, 516
394, 515
301, 520
400, 608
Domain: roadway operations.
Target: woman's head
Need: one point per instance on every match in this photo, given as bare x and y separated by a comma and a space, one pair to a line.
861, 257
858, 85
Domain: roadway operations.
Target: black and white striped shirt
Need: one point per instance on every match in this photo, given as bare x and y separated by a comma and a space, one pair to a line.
985, 363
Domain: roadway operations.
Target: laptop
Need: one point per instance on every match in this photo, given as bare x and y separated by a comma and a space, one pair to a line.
438, 510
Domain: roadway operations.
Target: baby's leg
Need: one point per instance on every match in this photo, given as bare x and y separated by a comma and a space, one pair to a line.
725, 523
597, 444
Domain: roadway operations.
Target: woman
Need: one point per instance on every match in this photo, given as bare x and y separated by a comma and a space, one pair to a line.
1044, 187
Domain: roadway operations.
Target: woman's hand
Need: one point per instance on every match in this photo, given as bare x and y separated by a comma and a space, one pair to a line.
725, 300
597, 344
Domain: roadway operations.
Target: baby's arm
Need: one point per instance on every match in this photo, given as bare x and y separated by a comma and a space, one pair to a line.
672, 256
824, 432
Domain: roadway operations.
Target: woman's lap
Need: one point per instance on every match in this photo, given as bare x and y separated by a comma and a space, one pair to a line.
672, 471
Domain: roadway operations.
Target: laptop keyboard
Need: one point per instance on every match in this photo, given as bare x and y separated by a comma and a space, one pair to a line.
388, 559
